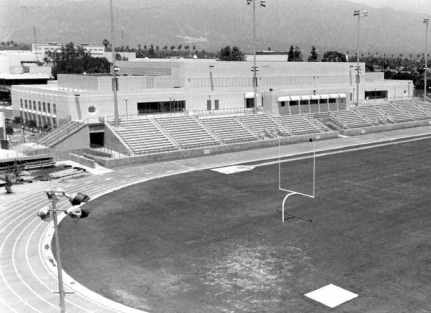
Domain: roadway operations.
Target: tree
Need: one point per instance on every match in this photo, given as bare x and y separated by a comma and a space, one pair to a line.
297, 55
17, 119
333, 56
9, 130
105, 43
291, 54
74, 60
313, 56
234, 54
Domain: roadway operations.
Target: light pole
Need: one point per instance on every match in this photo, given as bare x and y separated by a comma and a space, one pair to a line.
47, 214
426, 20
127, 113
114, 67
254, 69
358, 69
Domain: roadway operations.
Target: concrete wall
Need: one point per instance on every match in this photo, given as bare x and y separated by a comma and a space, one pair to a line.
175, 155
78, 140
113, 142
82, 160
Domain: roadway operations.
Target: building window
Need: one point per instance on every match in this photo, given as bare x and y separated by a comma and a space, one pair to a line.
282, 103
54, 108
44, 106
38, 103
20, 100
25, 103
34, 105
49, 107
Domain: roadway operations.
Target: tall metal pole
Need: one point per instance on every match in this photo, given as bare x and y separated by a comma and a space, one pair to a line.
58, 256
113, 70
426, 20
358, 69
358, 77
254, 59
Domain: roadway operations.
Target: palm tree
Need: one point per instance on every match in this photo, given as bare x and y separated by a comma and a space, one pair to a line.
179, 48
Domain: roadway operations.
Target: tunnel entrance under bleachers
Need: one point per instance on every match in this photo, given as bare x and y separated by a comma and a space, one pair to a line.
161, 107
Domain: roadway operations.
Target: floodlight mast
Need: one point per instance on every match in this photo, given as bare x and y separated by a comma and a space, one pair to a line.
254, 69
426, 21
114, 67
54, 195
358, 69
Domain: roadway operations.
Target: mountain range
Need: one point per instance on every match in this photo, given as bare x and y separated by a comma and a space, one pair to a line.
212, 24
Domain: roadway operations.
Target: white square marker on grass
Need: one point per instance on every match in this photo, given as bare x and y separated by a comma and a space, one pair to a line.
331, 295
233, 169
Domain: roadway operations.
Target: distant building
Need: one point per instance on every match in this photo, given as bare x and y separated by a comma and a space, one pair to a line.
40, 49
18, 68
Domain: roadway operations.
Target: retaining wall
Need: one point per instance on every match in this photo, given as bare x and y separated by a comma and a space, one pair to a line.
184, 154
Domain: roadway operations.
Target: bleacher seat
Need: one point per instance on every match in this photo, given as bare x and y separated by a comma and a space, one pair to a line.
262, 124
301, 125
187, 131
349, 119
393, 113
228, 129
143, 136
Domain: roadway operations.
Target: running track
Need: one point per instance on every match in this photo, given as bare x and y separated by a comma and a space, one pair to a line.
28, 276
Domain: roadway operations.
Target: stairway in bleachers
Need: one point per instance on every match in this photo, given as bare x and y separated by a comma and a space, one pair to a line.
228, 129
187, 131
393, 113
143, 136
349, 119
414, 111
261, 124
371, 114
300, 125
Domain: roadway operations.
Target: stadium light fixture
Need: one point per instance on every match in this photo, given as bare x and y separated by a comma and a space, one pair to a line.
254, 68
48, 214
114, 68
358, 13
426, 22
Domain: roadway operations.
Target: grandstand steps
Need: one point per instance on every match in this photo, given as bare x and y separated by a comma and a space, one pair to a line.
187, 132
349, 119
299, 125
393, 113
229, 130
142, 135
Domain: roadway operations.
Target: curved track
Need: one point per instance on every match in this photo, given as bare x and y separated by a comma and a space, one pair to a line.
28, 278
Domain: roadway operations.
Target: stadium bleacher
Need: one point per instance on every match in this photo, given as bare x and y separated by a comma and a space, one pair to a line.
262, 125
187, 131
228, 129
301, 125
143, 136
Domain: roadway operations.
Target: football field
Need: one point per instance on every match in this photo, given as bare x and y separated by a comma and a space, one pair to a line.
206, 241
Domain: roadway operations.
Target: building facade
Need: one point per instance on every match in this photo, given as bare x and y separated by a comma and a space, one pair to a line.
203, 86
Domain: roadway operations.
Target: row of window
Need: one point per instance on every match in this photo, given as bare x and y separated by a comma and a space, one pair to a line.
41, 106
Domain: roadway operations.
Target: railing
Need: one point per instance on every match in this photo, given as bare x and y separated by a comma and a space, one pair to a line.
222, 111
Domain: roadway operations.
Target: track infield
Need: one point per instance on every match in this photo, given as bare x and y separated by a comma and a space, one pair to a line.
211, 242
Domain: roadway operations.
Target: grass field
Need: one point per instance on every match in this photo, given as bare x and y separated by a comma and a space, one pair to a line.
210, 242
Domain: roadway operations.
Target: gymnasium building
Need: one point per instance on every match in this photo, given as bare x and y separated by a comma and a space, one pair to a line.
154, 95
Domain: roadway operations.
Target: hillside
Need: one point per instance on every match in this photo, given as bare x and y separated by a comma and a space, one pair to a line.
329, 25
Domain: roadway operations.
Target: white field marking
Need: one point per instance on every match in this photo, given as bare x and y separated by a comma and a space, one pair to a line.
1, 270
372, 145
17, 218
16, 240
321, 153
331, 295
48, 232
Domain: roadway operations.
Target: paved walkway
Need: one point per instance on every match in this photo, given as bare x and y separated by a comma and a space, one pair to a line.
27, 271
